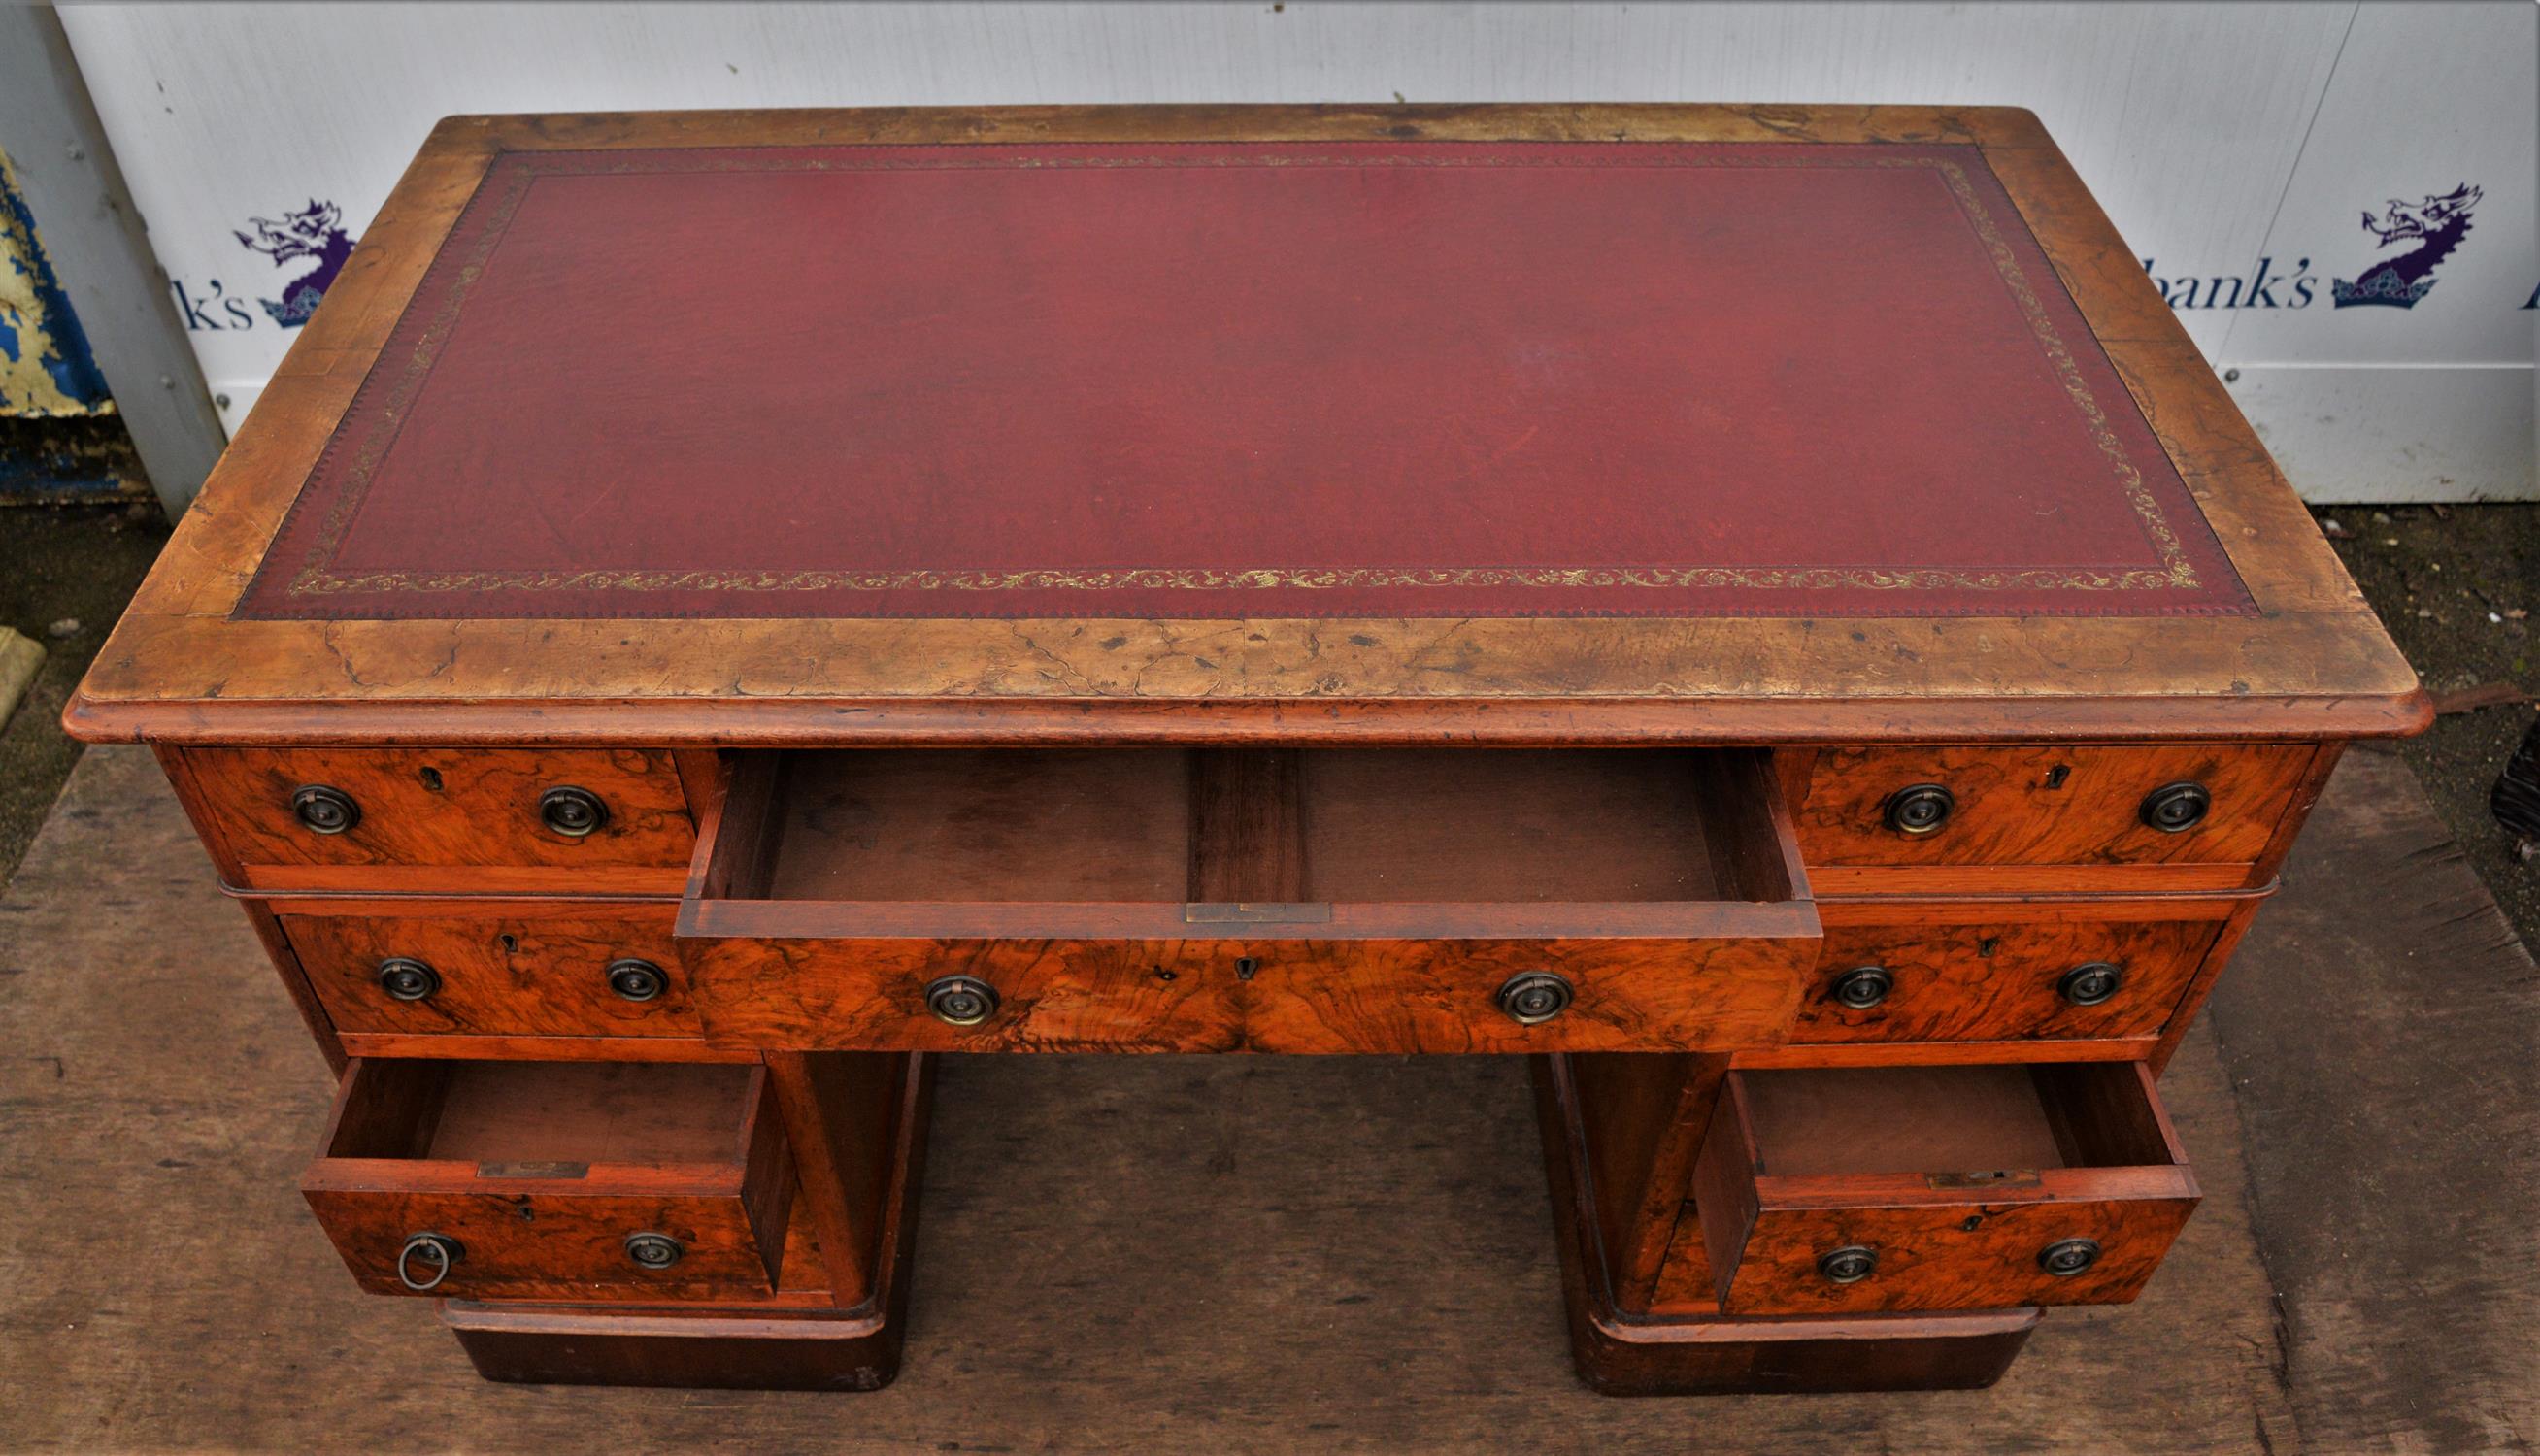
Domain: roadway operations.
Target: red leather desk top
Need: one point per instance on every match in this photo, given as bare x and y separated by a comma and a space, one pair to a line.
1224, 379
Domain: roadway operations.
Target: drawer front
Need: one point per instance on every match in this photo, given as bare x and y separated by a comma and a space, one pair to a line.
492, 1180
1969, 1253
1826, 1222
514, 970
560, 819
1924, 809
533, 1238
1996, 979
1370, 995
1973, 1253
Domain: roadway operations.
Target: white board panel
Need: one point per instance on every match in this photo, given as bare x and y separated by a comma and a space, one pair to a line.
2395, 432
2186, 121
2430, 112
2426, 98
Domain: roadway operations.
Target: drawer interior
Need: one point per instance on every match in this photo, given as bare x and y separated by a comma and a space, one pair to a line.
1859, 1191
1175, 825
547, 1180
1972, 1120
513, 1113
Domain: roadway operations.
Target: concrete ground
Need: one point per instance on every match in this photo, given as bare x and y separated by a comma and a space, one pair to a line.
60, 565
2459, 588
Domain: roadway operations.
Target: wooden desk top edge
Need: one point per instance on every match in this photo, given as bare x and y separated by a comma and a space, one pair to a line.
2313, 664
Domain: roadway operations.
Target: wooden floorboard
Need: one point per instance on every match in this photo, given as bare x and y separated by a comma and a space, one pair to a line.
2382, 1025
1232, 1254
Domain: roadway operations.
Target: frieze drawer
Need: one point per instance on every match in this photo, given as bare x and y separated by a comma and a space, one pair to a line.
2040, 817
558, 821
1249, 900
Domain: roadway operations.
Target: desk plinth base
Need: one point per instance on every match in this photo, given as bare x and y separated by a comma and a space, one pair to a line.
1632, 1354
553, 1345
1619, 1355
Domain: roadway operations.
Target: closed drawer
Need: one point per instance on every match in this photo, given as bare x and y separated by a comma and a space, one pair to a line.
562, 821
1937, 1188
2013, 818
1225, 900
518, 968
1979, 972
546, 1180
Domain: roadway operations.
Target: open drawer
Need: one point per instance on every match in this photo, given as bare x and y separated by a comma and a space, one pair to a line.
1826, 1191
556, 1180
1320, 900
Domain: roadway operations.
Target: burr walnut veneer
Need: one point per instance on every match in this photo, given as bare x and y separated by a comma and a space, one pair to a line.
1760, 609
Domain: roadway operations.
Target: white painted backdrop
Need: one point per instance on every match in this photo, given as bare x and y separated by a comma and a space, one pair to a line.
2222, 139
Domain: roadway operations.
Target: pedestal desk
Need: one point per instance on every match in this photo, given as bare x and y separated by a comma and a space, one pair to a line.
1759, 609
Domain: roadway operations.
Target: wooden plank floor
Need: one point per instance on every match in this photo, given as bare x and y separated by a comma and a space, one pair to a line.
2382, 1025
1236, 1254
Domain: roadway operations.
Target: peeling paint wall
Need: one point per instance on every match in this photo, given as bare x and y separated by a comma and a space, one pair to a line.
45, 372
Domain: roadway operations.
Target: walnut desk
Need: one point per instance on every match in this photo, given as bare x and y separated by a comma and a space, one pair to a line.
1759, 609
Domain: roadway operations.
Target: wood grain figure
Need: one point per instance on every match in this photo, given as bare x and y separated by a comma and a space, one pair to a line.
1439, 580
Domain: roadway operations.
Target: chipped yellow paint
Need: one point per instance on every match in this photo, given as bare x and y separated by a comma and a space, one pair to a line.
27, 387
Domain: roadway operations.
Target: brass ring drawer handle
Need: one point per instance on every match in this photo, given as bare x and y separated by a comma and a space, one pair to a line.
961, 1000
1864, 987
1849, 1265
406, 978
575, 813
444, 1250
323, 808
2065, 1258
655, 1250
2090, 982
2175, 809
1532, 998
637, 980
1919, 808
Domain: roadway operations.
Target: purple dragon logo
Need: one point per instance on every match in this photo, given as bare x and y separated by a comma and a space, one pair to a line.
2437, 224
313, 232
